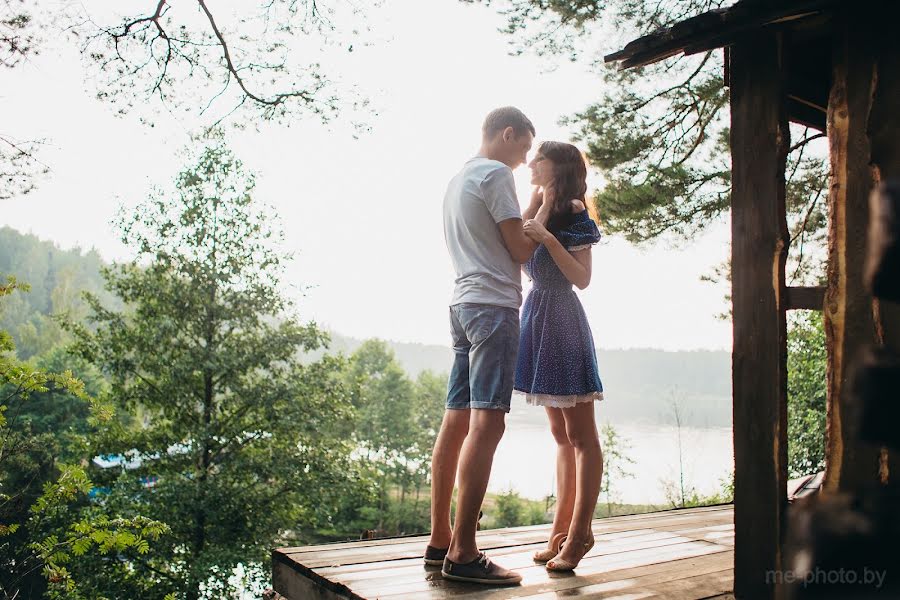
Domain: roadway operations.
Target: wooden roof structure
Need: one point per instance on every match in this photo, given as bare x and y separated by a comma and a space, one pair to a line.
809, 61
833, 65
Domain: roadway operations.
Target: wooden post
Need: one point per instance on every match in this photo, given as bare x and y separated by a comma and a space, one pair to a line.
849, 316
760, 140
884, 133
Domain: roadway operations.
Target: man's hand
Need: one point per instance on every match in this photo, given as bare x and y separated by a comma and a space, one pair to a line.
535, 230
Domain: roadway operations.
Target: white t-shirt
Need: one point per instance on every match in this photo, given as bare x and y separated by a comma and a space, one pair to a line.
479, 197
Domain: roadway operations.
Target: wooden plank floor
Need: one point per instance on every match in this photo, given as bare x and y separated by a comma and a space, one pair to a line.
677, 554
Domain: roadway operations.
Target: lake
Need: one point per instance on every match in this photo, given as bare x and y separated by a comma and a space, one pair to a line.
526, 458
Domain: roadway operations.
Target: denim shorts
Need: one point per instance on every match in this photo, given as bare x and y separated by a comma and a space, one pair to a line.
485, 346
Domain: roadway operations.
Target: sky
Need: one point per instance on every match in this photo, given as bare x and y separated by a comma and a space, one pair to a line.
362, 213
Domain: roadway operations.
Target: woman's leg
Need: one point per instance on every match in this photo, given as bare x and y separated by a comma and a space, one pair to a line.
582, 433
565, 473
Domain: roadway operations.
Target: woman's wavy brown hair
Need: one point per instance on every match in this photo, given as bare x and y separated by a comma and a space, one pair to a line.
569, 181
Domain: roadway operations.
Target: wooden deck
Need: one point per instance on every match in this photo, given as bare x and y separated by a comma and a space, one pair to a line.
676, 554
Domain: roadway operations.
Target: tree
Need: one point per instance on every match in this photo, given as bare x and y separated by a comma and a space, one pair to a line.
428, 410
397, 421
616, 463
660, 133
244, 64
238, 440
249, 65
384, 402
429, 400
807, 361
17, 33
384, 427
42, 523
19, 38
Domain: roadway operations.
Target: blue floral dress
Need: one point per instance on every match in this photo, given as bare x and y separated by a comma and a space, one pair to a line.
557, 363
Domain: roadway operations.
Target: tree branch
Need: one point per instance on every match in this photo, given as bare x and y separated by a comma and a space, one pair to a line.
226, 53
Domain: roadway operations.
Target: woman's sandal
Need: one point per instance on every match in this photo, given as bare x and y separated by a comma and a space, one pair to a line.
558, 564
556, 543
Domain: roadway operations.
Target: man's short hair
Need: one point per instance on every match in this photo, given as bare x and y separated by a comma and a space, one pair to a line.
503, 117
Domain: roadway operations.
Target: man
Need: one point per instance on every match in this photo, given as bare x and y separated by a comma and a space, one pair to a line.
487, 245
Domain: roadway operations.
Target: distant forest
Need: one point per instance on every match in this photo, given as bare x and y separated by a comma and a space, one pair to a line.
640, 384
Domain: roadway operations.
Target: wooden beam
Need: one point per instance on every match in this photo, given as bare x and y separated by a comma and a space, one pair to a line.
805, 298
760, 140
848, 315
295, 582
804, 114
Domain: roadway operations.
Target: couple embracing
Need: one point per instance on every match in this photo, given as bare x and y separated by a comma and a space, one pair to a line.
549, 357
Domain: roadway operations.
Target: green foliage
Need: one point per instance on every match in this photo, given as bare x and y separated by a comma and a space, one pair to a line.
57, 279
85, 539
386, 492
383, 402
727, 488
536, 514
690, 497
616, 464
397, 421
807, 359
42, 526
510, 510
239, 440
664, 152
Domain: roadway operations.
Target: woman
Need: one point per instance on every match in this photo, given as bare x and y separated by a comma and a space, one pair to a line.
557, 365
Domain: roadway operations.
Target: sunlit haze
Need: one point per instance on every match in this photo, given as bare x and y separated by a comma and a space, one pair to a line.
363, 214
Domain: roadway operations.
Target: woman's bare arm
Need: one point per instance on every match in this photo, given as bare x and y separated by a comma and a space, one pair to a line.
537, 200
576, 266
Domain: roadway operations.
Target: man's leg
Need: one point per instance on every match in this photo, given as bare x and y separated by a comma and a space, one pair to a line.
494, 333
444, 460
485, 431
455, 425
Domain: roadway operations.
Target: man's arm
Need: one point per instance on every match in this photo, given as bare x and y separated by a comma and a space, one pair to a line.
500, 198
520, 246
